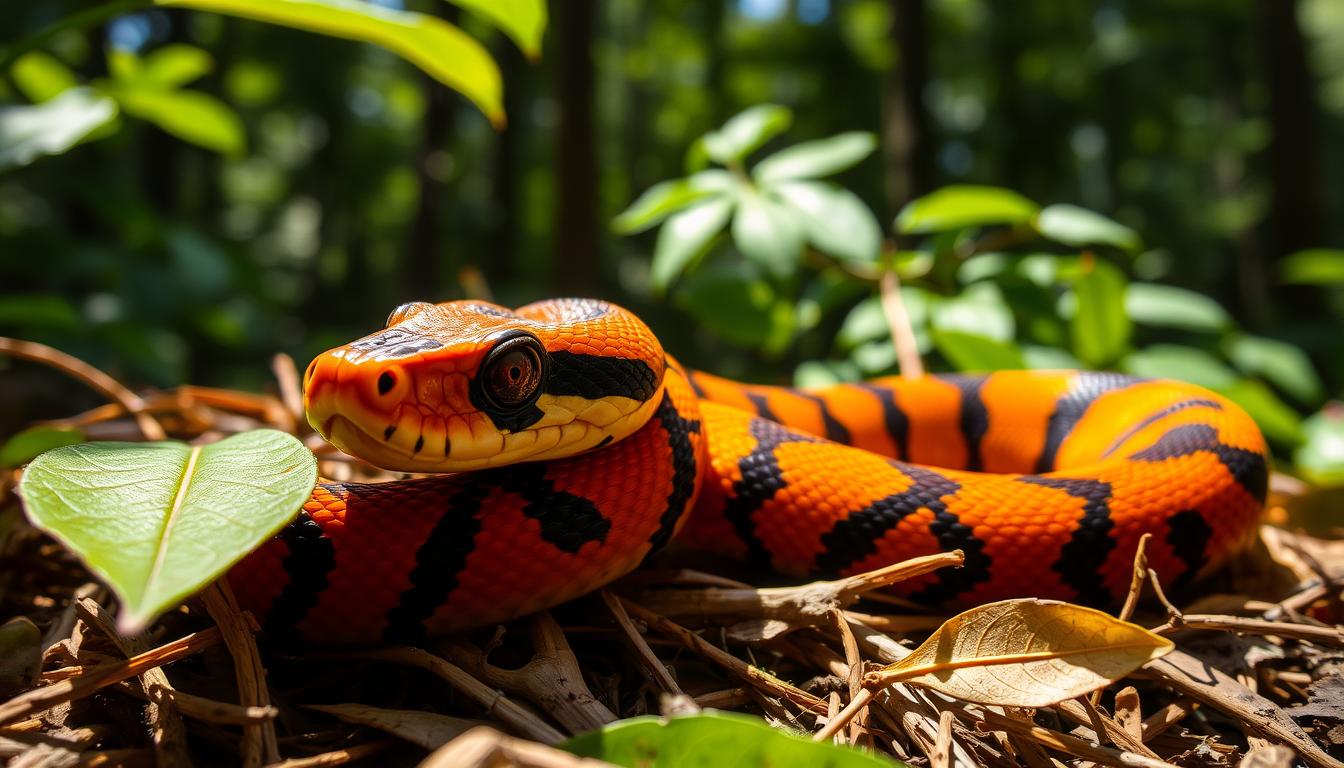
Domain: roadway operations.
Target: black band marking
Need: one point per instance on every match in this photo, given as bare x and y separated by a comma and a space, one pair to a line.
835, 431
974, 416
685, 470
311, 557
594, 377
1156, 417
761, 480
567, 521
895, 420
1189, 534
1081, 558
439, 560
693, 379
1248, 468
1069, 409
762, 406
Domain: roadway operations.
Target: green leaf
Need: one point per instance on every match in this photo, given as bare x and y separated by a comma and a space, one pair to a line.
980, 310
738, 306
668, 197
1173, 361
1049, 358
1079, 227
26, 445
38, 311
1282, 364
1320, 458
193, 116
1167, 306
825, 373
524, 21
815, 159
745, 132
711, 738
975, 352
1100, 327
41, 76
174, 65
159, 521
836, 221
1276, 419
448, 54
52, 127
1316, 266
867, 323
685, 236
958, 206
768, 233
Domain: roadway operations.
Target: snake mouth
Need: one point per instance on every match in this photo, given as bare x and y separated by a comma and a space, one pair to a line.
345, 434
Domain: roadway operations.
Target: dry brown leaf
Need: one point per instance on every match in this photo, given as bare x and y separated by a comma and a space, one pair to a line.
1025, 653
426, 729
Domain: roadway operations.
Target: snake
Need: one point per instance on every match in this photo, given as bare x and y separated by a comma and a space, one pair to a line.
553, 448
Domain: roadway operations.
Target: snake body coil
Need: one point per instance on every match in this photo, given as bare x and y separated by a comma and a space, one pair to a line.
582, 449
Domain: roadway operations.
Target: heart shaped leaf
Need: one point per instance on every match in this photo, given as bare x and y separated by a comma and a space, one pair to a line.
1025, 653
159, 521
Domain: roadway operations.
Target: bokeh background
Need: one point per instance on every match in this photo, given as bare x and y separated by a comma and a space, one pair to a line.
1210, 127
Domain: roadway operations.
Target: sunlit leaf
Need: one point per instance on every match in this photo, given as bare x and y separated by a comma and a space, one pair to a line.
1170, 307
447, 53
522, 20
745, 132
668, 197
815, 159
159, 521
1320, 458
174, 65
976, 352
41, 76
685, 236
52, 127
866, 322
429, 730
958, 206
34, 441
711, 739
1276, 419
1282, 364
1079, 227
836, 221
1173, 361
824, 373
1026, 653
768, 233
193, 116
1100, 326
1316, 266
1049, 358
979, 309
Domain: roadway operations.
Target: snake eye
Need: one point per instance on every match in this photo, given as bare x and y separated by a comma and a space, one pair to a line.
511, 373
404, 311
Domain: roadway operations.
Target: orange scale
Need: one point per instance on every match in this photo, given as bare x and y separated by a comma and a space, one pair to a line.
933, 408
1019, 405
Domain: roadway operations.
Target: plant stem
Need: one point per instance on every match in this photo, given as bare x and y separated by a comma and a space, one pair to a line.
87, 18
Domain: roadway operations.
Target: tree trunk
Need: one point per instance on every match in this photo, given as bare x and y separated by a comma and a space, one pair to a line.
576, 262
905, 129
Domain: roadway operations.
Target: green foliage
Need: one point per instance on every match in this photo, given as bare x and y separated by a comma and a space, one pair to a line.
958, 206
28, 444
159, 521
1320, 458
52, 127
711, 738
1317, 266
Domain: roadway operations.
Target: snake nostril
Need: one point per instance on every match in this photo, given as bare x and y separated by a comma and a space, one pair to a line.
385, 382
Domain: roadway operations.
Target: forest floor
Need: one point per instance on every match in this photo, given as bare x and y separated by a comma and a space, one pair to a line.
1257, 678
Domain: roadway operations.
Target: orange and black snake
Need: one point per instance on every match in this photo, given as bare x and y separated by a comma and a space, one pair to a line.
579, 448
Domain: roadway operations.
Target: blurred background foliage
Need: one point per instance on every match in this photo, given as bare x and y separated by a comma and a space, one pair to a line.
1124, 185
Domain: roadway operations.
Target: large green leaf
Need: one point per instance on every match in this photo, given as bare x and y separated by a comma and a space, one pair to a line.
815, 159
447, 53
685, 236
1316, 266
175, 65
159, 521
836, 221
959, 206
745, 132
1282, 364
192, 116
768, 233
1079, 227
28, 444
522, 20
52, 127
1170, 307
738, 305
980, 309
41, 76
712, 738
1100, 327
1173, 361
1276, 419
976, 352
667, 197
1321, 456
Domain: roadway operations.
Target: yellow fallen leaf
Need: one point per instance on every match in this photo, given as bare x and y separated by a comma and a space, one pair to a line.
1025, 653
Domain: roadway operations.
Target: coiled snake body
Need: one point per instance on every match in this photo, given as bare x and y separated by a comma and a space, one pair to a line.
581, 448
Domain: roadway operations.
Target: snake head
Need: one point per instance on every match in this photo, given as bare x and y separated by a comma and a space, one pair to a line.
467, 385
